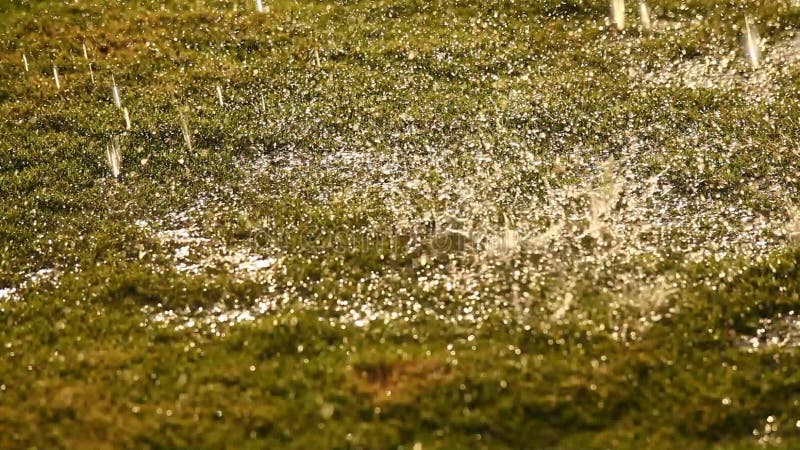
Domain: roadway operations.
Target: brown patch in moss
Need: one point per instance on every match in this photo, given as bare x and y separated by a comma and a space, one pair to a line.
105, 357
399, 381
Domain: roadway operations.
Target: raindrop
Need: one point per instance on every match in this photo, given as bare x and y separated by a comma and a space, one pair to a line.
114, 157
644, 15
219, 96
618, 14
55, 77
316, 58
187, 135
115, 93
127, 118
751, 43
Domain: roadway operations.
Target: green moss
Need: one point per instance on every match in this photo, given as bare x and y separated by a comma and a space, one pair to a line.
468, 87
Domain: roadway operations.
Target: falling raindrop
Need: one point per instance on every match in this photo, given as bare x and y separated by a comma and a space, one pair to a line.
644, 15
114, 157
316, 58
115, 93
187, 136
751, 43
618, 14
219, 96
127, 118
25, 61
55, 77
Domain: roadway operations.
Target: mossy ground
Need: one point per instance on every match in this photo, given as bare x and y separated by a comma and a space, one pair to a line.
503, 102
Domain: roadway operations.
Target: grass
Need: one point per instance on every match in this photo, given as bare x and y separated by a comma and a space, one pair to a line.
395, 199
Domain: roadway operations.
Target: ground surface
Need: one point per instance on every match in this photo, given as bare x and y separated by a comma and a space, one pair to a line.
406, 224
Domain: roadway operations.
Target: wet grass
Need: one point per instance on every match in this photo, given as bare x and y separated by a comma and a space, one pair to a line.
405, 186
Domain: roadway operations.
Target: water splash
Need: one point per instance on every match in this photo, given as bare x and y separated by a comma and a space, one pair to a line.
721, 72
30, 280
792, 227
779, 331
